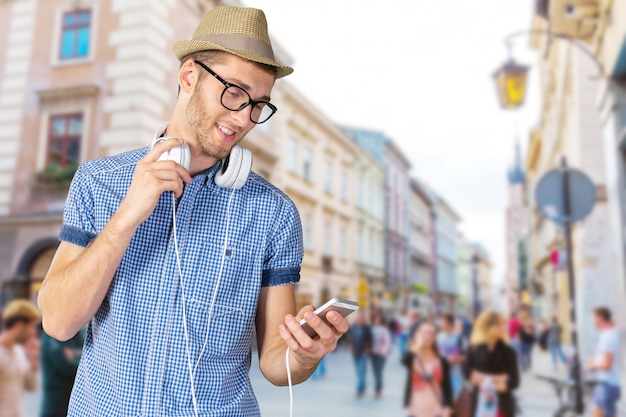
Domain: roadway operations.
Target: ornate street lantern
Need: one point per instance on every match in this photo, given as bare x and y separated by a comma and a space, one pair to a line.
510, 80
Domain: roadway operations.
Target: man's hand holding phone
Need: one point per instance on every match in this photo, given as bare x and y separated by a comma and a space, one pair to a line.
318, 335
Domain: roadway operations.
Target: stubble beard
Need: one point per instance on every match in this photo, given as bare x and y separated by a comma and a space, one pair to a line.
197, 117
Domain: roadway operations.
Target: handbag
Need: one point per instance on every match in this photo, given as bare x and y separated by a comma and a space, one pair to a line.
463, 406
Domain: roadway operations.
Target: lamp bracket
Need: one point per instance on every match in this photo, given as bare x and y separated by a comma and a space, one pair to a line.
508, 41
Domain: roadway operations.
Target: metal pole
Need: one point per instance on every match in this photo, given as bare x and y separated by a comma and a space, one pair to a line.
572, 289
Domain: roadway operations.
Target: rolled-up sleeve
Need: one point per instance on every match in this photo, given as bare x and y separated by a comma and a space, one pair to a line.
78, 215
284, 252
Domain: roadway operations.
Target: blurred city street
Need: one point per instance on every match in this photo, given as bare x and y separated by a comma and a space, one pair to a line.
333, 395
459, 164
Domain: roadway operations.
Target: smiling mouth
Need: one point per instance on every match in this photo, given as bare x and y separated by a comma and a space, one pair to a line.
225, 130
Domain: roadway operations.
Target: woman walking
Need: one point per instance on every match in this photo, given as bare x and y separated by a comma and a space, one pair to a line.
491, 367
428, 391
381, 346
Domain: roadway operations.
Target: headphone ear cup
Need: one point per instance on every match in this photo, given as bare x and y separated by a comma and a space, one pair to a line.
235, 169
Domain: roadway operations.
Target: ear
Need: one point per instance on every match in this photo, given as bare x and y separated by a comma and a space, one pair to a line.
187, 76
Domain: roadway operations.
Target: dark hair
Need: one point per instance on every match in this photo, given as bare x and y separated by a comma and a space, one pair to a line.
13, 321
449, 318
604, 313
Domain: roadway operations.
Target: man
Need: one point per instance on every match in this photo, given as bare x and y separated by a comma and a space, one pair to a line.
360, 345
171, 307
59, 363
526, 337
605, 364
19, 355
452, 346
553, 342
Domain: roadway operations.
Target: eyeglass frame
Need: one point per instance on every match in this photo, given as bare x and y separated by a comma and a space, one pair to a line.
250, 102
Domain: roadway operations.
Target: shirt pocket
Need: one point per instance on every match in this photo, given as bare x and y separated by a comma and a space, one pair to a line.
217, 333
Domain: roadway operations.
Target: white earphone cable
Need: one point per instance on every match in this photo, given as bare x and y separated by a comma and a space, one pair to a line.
183, 302
289, 382
219, 280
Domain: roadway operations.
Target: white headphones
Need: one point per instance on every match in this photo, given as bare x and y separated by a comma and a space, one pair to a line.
232, 173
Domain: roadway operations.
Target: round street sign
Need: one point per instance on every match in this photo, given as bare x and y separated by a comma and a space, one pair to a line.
549, 195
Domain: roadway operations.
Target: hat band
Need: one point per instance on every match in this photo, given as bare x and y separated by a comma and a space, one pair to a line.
240, 42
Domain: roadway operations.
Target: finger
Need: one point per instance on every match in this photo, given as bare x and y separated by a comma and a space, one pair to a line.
338, 321
176, 186
325, 332
288, 338
303, 339
163, 166
303, 311
162, 146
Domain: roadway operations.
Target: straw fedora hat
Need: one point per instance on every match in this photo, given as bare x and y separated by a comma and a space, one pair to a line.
240, 31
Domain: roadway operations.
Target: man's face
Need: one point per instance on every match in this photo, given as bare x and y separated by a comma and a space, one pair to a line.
25, 332
445, 324
215, 128
597, 321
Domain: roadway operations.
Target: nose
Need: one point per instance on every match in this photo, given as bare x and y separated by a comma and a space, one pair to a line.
242, 117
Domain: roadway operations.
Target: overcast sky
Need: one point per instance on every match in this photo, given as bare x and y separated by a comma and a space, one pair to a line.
420, 71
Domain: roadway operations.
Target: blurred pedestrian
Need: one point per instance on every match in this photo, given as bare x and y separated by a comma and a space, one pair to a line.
428, 391
555, 331
526, 343
381, 346
394, 329
404, 326
452, 347
466, 327
19, 355
491, 366
416, 320
513, 329
59, 363
361, 346
606, 365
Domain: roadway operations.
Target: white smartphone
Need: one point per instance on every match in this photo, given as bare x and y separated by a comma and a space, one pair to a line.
341, 306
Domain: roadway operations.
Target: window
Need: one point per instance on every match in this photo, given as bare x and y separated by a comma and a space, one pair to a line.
344, 186
307, 164
64, 140
328, 183
307, 231
75, 34
328, 238
360, 244
343, 243
292, 157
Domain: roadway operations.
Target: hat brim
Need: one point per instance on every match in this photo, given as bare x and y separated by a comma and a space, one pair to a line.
186, 47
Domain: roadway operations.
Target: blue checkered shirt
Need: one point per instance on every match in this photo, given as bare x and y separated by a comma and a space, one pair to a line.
134, 361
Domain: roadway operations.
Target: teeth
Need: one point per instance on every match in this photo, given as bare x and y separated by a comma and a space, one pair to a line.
226, 130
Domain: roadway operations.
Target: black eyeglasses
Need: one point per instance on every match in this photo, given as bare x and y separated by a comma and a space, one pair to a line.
235, 98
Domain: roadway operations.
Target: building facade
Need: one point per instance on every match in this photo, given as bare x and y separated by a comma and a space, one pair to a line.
600, 27
397, 199
80, 80
516, 285
370, 230
571, 127
422, 284
446, 253
84, 79
316, 168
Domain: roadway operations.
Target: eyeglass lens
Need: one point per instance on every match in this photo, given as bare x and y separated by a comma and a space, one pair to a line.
235, 98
